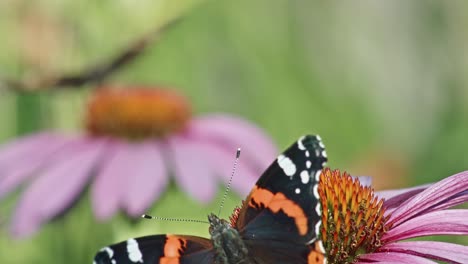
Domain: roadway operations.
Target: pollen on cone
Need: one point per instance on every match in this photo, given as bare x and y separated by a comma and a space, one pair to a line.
353, 217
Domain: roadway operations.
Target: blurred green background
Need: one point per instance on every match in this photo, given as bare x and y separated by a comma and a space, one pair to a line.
383, 83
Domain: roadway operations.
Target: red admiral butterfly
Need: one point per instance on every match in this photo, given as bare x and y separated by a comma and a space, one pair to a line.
279, 222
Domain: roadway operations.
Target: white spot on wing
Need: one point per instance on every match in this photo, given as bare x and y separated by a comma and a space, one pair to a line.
308, 164
109, 251
320, 245
321, 144
317, 175
289, 168
324, 153
318, 227
300, 144
134, 253
298, 191
316, 194
318, 209
113, 261
307, 153
305, 177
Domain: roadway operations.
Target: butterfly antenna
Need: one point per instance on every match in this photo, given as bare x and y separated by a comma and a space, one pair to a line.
173, 219
230, 180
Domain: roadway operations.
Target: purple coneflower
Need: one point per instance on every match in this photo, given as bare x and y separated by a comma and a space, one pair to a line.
135, 138
360, 227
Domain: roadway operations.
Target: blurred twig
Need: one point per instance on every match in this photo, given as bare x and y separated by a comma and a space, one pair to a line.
93, 74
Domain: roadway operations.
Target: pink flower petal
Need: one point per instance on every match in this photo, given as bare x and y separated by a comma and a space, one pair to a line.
452, 201
440, 251
393, 258
233, 132
148, 178
26, 165
193, 169
394, 198
21, 146
110, 181
133, 176
389, 194
437, 193
56, 189
447, 222
222, 160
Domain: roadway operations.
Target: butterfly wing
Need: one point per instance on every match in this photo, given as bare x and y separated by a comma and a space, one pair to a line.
158, 249
280, 219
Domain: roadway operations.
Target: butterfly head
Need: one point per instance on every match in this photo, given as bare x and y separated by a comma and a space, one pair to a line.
217, 225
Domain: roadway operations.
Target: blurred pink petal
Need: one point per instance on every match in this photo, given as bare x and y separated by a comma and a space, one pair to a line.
194, 169
56, 189
23, 146
110, 181
147, 178
233, 132
26, 166
440, 251
222, 160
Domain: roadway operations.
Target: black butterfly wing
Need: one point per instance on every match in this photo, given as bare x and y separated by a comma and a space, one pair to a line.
158, 249
280, 219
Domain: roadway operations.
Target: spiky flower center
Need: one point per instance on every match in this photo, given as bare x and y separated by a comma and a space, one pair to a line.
136, 113
353, 220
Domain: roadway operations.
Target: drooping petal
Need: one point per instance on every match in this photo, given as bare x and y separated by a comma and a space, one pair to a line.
56, 189
193, 169
132, 177
147, 180
440, 251
26, 164
433, 195
446, 222
393, 258
222, 161
110, 181
23, 146
233, 132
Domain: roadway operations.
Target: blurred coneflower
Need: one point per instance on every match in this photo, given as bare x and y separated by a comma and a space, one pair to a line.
359, 226
135, 138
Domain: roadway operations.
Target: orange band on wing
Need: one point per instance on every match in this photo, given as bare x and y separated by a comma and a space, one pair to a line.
165, 260
277, 202
174, 245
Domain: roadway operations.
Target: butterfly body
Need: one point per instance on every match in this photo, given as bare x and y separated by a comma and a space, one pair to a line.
278, 223
227, 242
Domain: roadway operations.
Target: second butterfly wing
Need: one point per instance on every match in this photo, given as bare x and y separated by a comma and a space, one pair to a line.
158, 249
